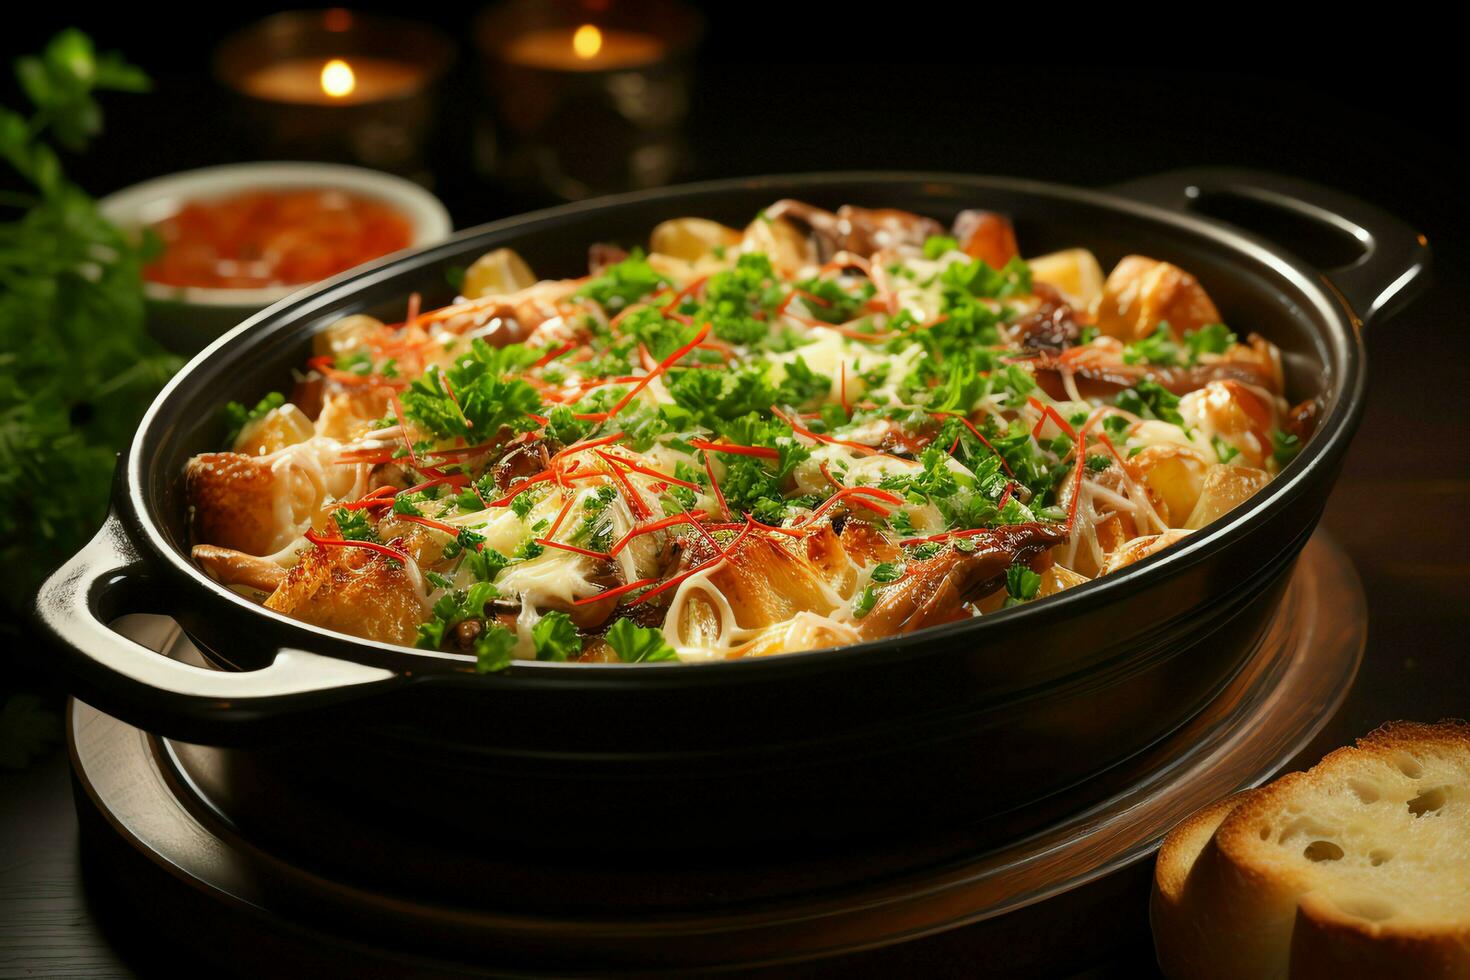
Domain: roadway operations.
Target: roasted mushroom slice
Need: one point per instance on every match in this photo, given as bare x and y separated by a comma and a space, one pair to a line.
937, 591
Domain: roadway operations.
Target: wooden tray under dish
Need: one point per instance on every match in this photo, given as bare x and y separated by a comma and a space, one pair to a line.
253, 871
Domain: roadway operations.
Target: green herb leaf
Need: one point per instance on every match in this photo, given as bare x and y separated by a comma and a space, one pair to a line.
638, 644
555, 638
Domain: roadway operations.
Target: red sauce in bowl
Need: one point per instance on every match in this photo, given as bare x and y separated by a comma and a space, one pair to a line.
273, 238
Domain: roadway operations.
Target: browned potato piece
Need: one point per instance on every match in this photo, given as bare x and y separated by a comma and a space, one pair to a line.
353, 591
1224, 488
1140, 548
987, 236
346, 335
277, 429
1176, 474
783, 242
1055, 579
497, 273
691, 239
232, 498
1074, 272
1141, 293
351, 414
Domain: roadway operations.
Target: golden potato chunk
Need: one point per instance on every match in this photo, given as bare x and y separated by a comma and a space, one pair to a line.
1224, 488
987, 236
1175, 474
1141, 293
277, 429
788, 248
351, 590
497, 273
1140, 548
346, 335
691, 239
1074, 272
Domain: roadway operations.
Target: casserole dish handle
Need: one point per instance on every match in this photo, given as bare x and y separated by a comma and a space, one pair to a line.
108, 579
1394, 259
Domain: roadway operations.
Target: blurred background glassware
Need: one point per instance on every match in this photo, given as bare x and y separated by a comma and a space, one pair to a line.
187, 318
589, 96
337, 85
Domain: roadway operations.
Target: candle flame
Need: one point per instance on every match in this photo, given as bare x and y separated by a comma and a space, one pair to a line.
337, 78
587, 41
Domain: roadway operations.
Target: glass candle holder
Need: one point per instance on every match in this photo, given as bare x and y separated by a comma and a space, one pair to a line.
337, 85
589, 96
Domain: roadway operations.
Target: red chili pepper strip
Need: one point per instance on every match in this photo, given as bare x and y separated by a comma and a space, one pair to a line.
984, 441
663, 366
802, 430
647, 471
658, 525
683, 294
715, 486
635, 503
734, 449
588, 444
367, 503
566, 508
1050, 412
794, 532
548, 542
381, 549
408, 442
847, 492
553, 354
611, 593
448, 529
521, 488
453, 480
1081, 452
483, 447
672, 582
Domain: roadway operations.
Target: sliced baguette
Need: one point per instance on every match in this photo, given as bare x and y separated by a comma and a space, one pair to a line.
1359, 867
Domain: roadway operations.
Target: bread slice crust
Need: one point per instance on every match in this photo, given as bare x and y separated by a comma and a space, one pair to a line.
1358, 867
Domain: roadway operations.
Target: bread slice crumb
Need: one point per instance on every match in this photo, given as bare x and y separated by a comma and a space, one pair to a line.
1358, 867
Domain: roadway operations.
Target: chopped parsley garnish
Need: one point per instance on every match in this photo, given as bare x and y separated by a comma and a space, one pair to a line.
638, 644
1284, 447
494, 649
237, 416
1022, 584
1150, 400
555, 638
937, 245
353, 525
623, 282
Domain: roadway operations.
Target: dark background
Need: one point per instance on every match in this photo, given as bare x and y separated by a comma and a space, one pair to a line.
1056, 95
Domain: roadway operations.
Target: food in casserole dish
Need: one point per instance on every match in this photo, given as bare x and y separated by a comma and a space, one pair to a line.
824, 429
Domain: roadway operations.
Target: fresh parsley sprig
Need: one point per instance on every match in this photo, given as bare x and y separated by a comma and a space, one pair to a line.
77, 367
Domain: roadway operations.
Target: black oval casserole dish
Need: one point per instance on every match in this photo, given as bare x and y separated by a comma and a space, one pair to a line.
955, 722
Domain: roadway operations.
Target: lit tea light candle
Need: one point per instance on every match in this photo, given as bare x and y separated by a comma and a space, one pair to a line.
333, 81
337, 85
586, 48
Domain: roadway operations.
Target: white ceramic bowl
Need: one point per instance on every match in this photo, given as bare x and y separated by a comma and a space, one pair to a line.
187, 318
